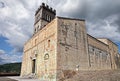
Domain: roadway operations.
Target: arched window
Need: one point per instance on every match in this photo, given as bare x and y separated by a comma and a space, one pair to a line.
48, 17
45, 16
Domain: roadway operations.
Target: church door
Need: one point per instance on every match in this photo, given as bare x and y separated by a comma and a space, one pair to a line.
33, 66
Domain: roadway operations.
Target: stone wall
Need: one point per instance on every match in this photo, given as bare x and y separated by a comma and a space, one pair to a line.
62, 48
72, 46
113, 50
42, 48
98, 54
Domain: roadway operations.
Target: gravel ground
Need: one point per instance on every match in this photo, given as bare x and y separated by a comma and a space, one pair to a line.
18, 78
106, 75
6, 79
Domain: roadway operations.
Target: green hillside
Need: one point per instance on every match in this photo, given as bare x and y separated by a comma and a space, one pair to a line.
10, 68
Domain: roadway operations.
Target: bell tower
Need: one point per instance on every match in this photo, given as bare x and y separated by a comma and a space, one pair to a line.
43, 16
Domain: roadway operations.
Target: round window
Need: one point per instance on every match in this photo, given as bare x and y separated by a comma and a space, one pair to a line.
46, 57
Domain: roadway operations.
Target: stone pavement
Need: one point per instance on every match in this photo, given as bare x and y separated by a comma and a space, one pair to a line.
6, 79
18, 78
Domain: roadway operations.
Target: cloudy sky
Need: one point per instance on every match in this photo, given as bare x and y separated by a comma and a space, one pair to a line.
17, 19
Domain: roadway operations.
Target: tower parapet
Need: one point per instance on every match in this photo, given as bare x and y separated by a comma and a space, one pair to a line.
45, 6
43, 16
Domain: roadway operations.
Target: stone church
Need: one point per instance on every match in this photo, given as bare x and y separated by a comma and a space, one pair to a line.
61, 44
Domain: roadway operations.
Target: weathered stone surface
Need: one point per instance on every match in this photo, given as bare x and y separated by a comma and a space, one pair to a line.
42, 48
101, 75
62, 48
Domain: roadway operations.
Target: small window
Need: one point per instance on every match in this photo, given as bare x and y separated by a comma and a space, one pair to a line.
49, 18
35, 30
48, 43
35, 41
75, 24
38, 27
93, 49
45, 16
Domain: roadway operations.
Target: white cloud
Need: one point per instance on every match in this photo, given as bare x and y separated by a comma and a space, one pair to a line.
9, 57
15, 10
2, 52
16, 24
17, 18
105, 28
70, 6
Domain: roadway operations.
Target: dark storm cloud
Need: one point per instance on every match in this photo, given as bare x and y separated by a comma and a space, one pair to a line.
17, 18
16, 24
102, 16
95, 9
2, 5
69, 8
102, 8
104, 19
15, 27
118, 23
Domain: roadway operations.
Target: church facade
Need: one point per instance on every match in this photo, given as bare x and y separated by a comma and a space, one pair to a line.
62, 45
